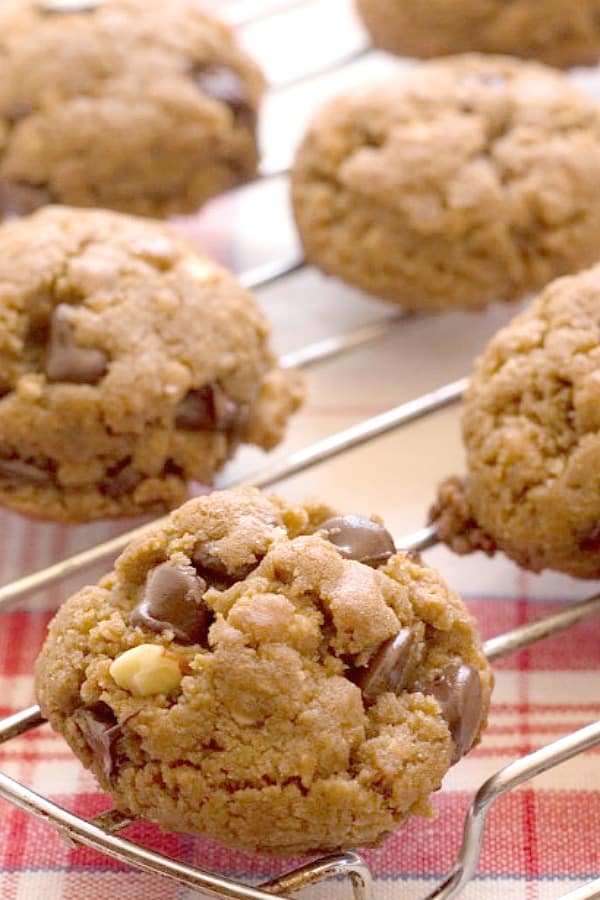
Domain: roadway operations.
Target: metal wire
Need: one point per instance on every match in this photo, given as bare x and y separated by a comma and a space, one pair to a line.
589, 891
528, 634
507, 779
88, 834
250, 12
346, 59
273, 271
320, 351
247, 12
419, 540
266, 274
100, 833
297, 462
331, 347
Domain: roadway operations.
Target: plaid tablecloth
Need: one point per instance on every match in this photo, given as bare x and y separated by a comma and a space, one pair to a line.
544, 839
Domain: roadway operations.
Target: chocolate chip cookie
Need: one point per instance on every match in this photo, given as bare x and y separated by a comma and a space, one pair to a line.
135, 105
456, 184
558, 33
129, 365
531, 426
274, 676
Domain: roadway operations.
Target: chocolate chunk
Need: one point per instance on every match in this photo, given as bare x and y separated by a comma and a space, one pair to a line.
66, 361
15, 470
100, 729
196, 411
19, 198
206, 409
224, 84
360, 539
173, 601
215, 572
457, 689
38, 332
389, 668
121, 479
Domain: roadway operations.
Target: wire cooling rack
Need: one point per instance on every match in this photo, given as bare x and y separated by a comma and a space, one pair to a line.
102, 833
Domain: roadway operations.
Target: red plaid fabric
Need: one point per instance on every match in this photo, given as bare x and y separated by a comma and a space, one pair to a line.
541, 841
544, 835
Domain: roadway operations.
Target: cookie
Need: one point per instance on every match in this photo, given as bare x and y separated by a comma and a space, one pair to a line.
129, 364
273, 676
554, 32
458, 183
135, 105
531, 426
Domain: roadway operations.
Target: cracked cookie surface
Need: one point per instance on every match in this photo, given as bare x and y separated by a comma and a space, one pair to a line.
129, 364
531, 426
134, 105
241, 676
554, 32
459, 183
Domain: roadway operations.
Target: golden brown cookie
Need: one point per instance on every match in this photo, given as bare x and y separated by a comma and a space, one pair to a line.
556, 32
273, 676
458, 183
129, 364
135, 105
531, 426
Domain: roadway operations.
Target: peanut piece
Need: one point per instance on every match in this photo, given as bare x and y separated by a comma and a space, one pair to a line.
145, 670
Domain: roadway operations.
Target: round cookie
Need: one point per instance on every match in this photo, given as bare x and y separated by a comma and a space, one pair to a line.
458, 183
129, 364
244, 674
135, 105
553, 31
531, 426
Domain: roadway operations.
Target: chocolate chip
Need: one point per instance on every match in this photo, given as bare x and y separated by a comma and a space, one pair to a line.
173, 601
121, 479
66, 361
100, 729
224, 84
204, 560
196, 411
172, 468
457, 689
38, 332
389, 668
15, 470
215, 572
360, 539
207, 409
19, 198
